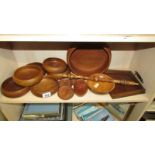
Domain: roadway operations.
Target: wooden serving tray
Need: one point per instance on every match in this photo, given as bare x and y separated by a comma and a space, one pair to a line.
124, 90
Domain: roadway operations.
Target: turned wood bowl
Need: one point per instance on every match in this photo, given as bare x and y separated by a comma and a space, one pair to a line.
65, 82
38, 64
65, 92
54, 65
27, 75
80, 87
45, 86
100, 87
10, 89
88, 61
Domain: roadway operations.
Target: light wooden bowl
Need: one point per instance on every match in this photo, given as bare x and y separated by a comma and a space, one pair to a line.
27, 75
100, 87
54, 65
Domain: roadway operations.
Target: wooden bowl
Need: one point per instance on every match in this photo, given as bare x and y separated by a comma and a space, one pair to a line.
88, 61
28, 75
80, 87
10, 89
65, 92
54, 65
65, 82
38, 64
100, 87
45, 86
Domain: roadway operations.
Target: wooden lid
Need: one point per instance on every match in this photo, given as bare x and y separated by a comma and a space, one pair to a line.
10, 89
88, 61
45, 86
27, 75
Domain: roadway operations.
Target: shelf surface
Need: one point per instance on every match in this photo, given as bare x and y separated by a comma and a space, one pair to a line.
79, 37
90, 97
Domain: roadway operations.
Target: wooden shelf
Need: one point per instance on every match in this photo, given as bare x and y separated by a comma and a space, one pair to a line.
90, 97
79, 37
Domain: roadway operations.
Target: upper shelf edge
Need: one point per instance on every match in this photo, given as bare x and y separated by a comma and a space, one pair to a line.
78, 37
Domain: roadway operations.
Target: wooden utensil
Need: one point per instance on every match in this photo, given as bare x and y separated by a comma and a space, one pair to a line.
97, 79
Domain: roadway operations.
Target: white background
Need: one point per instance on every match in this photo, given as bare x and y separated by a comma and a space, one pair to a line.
72, 18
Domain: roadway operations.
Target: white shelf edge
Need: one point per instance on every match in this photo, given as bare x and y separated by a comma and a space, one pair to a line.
79, 37
89, 97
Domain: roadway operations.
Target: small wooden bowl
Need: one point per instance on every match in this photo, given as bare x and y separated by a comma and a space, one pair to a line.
100, 87
54, 65
28, 75
10, 89
65, 82
80, 87
46, 85
38, 64
65, 92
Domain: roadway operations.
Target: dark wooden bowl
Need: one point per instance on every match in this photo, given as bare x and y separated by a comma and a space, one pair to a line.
80, 87
28, 75
100, 87
46, 85
88, 61
65, 92
10, 89
54, 65
38, 64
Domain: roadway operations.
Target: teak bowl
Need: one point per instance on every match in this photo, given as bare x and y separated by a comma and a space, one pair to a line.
46, 85
10, 89
28, 75
88, 61
38, 64
100, 87
54, 65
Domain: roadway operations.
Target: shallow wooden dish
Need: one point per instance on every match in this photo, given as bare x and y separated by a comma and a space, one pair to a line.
54, 65
38, 64
46, 85
28, 75
10, 89
88, 61
101, 87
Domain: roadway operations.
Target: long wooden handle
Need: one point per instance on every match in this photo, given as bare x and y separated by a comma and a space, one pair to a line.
71, 76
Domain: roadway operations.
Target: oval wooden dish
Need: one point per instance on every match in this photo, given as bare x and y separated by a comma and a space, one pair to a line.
88, 61
28, 75
54, 65
46, 86
100, 87
10, 89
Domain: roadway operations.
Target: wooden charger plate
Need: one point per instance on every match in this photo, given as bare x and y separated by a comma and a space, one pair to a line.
10, 89
45, 88
28, 75
88, 61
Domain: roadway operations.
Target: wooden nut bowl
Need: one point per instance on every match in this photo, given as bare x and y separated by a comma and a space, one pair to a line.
100, 87
38, 64
80, 87
10, 89
88, 61
27, 75
65, 82
65, 92
46, 85
54, 65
